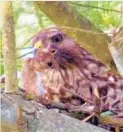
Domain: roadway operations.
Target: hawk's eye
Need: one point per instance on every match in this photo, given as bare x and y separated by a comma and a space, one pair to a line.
58, 38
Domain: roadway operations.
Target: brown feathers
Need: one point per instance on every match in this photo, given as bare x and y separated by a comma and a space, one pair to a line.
61, 64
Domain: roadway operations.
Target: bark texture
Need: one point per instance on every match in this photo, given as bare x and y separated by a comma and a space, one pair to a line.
9, 48
19, 115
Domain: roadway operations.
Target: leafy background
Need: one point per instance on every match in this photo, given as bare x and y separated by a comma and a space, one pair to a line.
29, 20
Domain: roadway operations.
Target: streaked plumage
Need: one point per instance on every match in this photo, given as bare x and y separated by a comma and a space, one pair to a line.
63, 64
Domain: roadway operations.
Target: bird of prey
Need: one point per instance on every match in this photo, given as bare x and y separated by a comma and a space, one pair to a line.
62, 71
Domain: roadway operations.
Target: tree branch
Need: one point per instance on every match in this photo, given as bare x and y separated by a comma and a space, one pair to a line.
62, 14
9, 49
116, 49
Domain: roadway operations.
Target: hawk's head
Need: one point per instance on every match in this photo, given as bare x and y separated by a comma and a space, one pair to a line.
59, 45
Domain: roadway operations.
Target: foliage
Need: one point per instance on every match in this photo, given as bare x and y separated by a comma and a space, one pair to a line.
29, 20
102, 14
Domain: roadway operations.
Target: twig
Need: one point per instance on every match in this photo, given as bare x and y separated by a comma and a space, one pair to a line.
28, 40
89, 117
24, 54
82, 97
20, 116
114, 102
24, 48
58, 105
21, 55
117, 129
85, 110
97, 100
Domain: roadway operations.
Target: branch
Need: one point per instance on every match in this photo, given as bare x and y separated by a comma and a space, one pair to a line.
9, 49
25, 54
24, 48
116, 49
63, 14
21, 55
77, 95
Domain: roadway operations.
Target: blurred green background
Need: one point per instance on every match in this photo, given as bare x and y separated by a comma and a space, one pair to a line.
29, 20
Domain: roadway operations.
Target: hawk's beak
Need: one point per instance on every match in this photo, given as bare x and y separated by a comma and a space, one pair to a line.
37, 46
40, 45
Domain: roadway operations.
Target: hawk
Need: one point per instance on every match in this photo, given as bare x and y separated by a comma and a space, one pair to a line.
62, 71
